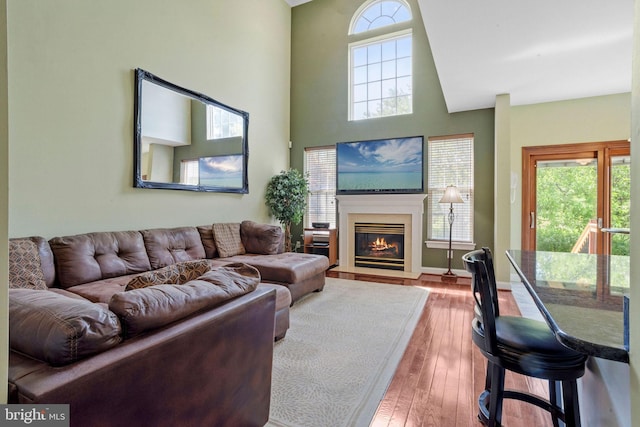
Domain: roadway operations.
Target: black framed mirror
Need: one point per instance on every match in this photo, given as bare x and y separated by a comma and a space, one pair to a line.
184, 140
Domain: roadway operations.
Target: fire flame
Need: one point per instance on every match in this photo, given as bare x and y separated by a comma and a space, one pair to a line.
379, 244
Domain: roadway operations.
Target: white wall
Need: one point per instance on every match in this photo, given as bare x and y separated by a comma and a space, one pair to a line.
166, 115
71, 83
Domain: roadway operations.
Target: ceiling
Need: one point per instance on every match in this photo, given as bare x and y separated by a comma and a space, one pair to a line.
296, 2
541, 51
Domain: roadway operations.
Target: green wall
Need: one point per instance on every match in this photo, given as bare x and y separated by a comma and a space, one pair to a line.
319, 104
66, 111
71, 80
4, 201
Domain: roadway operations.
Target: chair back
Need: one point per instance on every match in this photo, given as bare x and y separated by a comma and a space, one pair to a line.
483, 286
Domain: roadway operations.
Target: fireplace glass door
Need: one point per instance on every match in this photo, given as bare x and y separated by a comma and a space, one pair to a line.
379, 245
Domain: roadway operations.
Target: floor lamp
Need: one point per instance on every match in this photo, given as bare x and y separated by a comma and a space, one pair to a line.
451, 196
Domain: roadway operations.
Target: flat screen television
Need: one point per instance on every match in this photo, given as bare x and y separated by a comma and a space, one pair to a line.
380, 166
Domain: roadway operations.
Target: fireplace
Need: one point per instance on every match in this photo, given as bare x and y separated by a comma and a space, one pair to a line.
404, 209
379, 245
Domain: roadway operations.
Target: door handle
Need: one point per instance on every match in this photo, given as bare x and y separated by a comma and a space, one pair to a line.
532, 220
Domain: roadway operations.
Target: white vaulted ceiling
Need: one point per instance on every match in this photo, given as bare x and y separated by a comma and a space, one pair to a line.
296, 2
536, 51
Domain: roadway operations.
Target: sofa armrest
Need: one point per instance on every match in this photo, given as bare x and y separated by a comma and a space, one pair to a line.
206, 369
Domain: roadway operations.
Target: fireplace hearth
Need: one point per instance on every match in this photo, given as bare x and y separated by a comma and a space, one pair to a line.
379, 245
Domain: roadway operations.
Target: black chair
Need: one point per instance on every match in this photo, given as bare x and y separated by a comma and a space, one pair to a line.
521, 345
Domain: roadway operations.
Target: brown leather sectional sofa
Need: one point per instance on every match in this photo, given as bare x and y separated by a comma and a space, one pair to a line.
122, 352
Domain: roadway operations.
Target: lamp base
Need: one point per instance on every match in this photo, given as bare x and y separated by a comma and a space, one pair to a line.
449, 277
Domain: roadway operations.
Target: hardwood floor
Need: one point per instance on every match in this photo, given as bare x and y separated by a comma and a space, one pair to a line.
442, 372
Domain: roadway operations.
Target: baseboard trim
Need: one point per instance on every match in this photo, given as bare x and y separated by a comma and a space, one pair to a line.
441, 271
503, 286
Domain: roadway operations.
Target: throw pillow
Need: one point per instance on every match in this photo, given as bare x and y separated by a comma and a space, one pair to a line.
234, 275
25, 268
57, 329
144, 309
263, 239
178, 274
206, 235
227, 238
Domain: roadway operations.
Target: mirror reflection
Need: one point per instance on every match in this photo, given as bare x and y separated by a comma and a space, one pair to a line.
187, 141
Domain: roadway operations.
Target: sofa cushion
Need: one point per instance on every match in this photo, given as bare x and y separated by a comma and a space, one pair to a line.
93, 256
57, 329
227, 239
25, 269
101, 291
148, 308
288, 267
177, 274
264, 239
206, 235
167, 246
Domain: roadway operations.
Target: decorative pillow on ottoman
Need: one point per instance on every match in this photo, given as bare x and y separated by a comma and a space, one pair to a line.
177, 274
144, 309
227, 238
237, 274
25, 269
57, 329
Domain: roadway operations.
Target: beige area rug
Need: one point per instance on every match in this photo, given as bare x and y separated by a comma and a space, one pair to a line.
340, 353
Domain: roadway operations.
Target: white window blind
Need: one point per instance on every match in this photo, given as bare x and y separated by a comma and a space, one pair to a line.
450, 163
320, 168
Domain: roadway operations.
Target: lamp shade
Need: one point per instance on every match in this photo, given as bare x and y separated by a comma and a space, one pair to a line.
451, 195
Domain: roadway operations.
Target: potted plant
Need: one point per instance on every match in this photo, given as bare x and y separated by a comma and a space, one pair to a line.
286, 198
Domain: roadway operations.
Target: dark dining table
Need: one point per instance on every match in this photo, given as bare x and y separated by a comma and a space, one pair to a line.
581, 297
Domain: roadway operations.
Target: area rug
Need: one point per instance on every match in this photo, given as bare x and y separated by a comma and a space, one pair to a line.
341, 352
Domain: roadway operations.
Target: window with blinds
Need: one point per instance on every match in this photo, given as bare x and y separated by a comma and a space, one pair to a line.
320, 169
450, 162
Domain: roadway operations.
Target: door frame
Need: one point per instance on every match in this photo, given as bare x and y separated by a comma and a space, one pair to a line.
602, 151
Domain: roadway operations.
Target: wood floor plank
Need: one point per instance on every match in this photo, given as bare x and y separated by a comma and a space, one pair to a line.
442, 372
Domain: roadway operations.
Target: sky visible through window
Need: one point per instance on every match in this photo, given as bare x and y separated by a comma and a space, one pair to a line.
381, 81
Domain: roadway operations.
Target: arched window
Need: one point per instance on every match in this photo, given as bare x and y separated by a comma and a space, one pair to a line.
379, 13
380, 71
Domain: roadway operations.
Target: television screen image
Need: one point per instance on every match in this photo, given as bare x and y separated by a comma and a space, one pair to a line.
380, 166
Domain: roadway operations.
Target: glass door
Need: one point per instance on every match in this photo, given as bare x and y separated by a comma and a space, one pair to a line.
576, 198
566, 210
619, 198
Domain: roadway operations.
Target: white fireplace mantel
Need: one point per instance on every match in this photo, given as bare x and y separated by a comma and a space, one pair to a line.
407, 206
